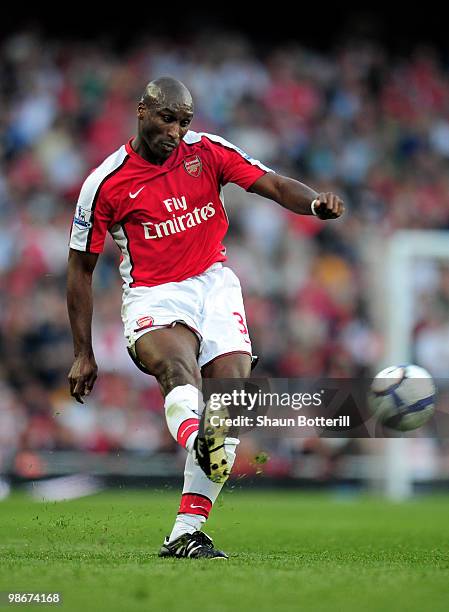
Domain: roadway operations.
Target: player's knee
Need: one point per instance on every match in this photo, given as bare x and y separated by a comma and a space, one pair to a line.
177, 370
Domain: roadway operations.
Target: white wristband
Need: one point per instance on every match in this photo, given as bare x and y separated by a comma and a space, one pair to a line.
312, 206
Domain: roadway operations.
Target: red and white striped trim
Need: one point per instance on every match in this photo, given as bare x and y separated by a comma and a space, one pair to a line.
118, 232
195, 503
186, 429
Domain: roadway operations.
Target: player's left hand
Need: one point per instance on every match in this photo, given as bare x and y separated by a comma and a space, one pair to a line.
327, 206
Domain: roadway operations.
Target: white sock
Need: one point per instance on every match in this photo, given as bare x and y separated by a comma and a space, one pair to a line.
186, 523
198, 494
183, 405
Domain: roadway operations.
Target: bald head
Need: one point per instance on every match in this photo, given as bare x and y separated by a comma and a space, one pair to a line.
167, 92
164, 114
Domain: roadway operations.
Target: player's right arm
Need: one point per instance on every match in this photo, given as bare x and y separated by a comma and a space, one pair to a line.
83, 372
298, 197
236, 166
93, 217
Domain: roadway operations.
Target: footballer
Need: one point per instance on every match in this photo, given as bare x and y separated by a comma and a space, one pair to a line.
160, 197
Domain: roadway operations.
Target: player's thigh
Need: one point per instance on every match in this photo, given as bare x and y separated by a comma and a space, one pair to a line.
237, 365
170, 354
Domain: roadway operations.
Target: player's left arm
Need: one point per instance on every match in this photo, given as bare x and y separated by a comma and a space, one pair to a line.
297, 197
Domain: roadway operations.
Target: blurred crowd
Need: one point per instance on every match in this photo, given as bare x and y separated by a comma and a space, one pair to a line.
372, 128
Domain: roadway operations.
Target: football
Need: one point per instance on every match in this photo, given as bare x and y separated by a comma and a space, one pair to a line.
402, 397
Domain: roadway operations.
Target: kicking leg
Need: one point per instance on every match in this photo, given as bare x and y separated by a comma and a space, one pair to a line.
170, 354
214, 435
237, 365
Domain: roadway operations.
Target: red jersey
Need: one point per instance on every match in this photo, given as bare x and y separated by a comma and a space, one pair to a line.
168, 221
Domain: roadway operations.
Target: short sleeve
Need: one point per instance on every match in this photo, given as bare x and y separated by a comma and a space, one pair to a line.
91, 220
235, 165
94, 211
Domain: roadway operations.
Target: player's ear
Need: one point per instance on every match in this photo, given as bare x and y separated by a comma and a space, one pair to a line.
140, 110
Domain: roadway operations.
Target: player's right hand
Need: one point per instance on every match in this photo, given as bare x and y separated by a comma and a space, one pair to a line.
82, 376
328, 206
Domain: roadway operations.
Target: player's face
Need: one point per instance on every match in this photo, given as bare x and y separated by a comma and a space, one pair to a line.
163, 128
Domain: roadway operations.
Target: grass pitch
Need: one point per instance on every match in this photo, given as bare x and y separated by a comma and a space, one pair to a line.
289, 551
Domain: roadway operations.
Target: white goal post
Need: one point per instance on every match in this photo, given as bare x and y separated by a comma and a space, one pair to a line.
403, 247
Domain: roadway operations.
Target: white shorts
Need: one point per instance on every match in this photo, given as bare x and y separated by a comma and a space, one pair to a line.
210, 304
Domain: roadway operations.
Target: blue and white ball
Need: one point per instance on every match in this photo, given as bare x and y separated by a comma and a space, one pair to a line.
402, 397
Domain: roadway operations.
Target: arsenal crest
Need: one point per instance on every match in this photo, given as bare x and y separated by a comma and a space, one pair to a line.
143, 322
193, 165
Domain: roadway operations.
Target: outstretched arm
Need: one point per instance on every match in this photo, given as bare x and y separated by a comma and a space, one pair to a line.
83, 373
297, 197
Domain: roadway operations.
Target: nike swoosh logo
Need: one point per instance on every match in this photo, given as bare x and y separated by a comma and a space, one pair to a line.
202, 507
134, 195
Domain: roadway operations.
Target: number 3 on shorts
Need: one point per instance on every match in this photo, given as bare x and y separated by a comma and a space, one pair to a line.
242, 327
